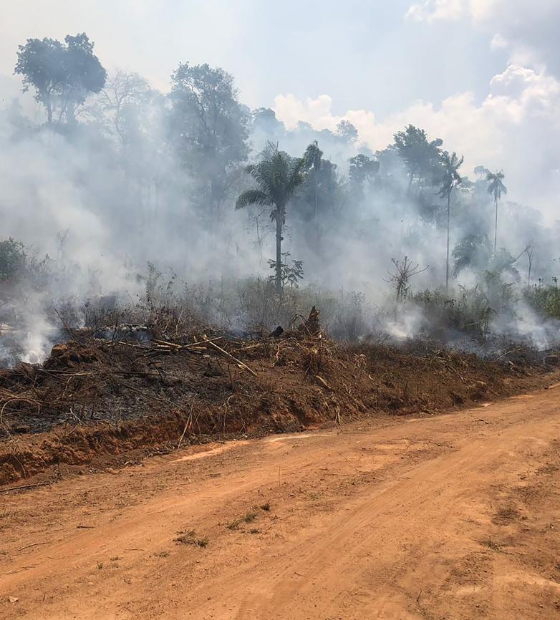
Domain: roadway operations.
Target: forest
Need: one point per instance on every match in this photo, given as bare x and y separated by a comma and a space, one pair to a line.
123, 201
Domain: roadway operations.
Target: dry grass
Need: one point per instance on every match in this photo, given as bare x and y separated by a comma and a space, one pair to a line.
189, 537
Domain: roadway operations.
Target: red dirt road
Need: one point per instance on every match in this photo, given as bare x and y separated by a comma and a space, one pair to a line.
453, 517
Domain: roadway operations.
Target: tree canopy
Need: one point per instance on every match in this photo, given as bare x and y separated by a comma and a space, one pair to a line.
209, 127
421, 156
62, 74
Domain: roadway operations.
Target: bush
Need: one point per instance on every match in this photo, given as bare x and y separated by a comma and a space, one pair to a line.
545, 300
12, 259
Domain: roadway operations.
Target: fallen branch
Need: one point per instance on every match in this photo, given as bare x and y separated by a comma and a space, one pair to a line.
188, 424
24, 487
230, 356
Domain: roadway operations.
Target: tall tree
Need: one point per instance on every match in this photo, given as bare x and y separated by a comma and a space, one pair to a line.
62, 74
421, 156
313, 159
276, 176
496, 187
210, 129
450, 179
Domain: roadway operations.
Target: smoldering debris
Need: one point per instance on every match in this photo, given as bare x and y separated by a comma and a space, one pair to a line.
93, 392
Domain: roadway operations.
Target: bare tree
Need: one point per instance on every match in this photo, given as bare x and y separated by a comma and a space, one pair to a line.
530, 251
400, 279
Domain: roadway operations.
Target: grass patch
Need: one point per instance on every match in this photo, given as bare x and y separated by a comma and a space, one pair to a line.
506, 514
494, 546
161, 554
189, 537
249, 517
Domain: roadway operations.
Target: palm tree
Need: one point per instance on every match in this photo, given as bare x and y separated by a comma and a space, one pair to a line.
450, 179
277, 177
496, 187
313, 159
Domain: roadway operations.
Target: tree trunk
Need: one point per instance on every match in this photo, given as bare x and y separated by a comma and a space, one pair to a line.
410, 183
316, 202
279, 222
447, 260
496, 226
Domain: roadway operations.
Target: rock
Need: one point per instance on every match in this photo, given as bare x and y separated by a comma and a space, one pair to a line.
13, 599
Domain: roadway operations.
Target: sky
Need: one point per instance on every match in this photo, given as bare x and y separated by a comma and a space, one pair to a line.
483, 75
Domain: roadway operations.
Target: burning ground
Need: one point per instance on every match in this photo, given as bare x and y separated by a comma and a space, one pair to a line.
113, 395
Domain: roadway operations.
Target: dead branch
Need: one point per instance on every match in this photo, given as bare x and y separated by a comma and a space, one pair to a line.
230, 356
24, 487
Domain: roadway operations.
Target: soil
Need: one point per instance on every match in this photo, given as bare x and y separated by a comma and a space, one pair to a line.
410, 518
95, 403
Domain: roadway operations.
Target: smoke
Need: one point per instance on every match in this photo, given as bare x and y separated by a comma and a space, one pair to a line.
94, 209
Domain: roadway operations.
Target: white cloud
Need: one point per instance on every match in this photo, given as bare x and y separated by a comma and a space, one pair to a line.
516, 127
498, 42
528, 28
431, 10
478, 10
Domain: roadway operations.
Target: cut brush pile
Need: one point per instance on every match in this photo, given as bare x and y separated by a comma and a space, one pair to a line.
98, 398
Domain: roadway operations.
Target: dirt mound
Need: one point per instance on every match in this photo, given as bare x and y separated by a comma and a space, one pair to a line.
104, 397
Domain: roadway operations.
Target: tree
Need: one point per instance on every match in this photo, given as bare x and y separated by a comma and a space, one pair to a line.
63, 75
313, 158
210, 129
317, 200
474, 252
123, 100
451, 178
421, 156
362, 169
265, 121
481, 171
530, 251
12, 259
277, 176
346, 131
496, 187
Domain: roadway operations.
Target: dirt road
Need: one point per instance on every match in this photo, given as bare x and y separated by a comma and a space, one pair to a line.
451, 517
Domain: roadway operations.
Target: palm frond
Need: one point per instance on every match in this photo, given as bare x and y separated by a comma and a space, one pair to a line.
451, 177
252, 197
495, 184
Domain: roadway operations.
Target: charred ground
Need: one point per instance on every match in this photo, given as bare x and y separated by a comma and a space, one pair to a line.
96, 398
